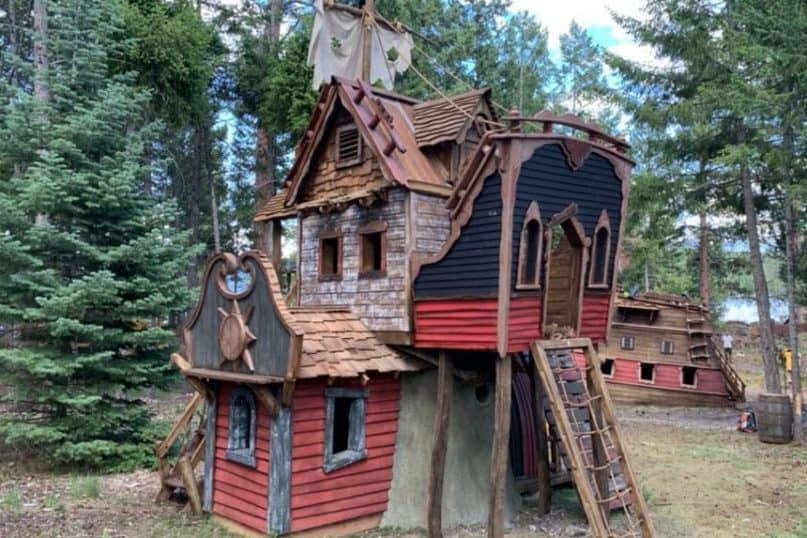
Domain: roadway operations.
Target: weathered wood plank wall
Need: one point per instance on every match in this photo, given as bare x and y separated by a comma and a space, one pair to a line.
381, 301
239, 490
357, 490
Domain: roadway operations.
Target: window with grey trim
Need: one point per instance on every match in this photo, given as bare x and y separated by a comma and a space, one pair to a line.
345, 413
627, 342
241, 434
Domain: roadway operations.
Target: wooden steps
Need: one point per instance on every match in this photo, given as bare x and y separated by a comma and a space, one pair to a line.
593, 450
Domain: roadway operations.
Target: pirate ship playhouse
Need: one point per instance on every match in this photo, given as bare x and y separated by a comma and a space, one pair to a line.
435, 244
662, 352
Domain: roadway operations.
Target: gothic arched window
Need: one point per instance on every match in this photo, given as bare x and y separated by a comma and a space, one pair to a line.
600, 253
529, 251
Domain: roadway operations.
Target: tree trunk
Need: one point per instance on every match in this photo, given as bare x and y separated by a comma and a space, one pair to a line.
791, 251
214, 209
41, 62
703, 261
772, 382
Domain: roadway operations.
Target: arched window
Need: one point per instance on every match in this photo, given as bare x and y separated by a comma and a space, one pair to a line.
530, 249
600, 253
241, 435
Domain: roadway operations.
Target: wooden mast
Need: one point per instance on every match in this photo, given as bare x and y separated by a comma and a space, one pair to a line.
367, 22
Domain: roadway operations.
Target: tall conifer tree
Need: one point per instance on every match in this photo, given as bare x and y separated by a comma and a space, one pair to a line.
90, 265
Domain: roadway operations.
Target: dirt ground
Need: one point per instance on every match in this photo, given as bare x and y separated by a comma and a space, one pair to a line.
700, 477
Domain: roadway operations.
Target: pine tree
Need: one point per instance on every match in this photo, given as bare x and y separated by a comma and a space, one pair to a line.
90, 265
580, 77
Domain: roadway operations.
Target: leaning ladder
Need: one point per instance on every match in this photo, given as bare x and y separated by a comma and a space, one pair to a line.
594, 447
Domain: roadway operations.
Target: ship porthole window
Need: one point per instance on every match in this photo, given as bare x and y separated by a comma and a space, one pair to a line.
241, 429
345, 417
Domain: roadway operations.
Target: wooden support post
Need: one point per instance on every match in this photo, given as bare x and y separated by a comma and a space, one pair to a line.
442, 412
500, 448
541, 439
267, 399
191, 486
367, 21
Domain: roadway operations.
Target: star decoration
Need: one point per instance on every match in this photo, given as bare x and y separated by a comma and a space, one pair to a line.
235, 336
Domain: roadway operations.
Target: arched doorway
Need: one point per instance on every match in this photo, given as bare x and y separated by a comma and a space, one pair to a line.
566, 242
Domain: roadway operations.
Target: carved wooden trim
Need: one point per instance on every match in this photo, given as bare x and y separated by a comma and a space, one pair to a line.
603, 223
577, 151
533, 215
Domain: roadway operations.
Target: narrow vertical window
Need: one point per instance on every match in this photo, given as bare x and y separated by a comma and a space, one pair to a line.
241, 431
373, 249
626, 342
667, 347
530, 247
344, 427
600, 253
330, 255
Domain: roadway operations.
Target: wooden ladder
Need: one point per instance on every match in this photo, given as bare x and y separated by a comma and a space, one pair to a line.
585, 420
180, 475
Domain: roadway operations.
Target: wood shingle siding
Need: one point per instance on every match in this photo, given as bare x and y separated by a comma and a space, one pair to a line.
240, 490
359, 489
471, 266
381, 302
432, 223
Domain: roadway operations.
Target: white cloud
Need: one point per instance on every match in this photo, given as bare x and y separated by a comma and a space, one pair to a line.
557, 16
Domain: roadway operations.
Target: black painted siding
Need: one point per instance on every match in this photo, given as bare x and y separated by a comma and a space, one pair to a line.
471, 267
547, 179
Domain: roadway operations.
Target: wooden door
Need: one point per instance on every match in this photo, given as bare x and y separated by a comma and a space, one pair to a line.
563, 281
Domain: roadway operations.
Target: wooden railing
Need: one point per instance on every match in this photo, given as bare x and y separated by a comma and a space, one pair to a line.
734, 382
181, 473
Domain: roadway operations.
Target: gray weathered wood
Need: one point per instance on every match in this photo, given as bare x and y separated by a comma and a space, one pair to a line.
500, 447
279, 510
210, 453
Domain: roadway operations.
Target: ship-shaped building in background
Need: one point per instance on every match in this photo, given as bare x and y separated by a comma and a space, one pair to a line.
411, 378
662, 350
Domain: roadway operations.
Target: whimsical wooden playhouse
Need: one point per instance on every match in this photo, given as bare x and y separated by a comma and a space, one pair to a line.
440, 249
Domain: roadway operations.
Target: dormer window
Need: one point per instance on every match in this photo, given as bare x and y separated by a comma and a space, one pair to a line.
330, 255
600, 253
348, 146
530, 247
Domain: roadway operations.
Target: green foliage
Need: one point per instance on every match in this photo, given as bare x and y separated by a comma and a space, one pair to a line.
92, 267
84, 487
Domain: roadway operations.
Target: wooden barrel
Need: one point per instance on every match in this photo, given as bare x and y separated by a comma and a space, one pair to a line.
774, 418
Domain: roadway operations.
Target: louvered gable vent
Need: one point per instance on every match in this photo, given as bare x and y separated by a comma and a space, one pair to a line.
348, 146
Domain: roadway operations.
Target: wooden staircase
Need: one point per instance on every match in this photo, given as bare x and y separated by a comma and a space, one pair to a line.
584, 418
179, 475
734, 384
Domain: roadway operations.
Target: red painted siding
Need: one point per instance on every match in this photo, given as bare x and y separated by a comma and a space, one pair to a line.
240, 491
525, 322
668, 376
360, 489
594, 323
456, 323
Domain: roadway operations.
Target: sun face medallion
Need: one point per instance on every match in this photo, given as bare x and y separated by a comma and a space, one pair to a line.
235, 336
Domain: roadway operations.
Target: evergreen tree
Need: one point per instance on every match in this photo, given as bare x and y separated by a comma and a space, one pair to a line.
580, 77
90, 263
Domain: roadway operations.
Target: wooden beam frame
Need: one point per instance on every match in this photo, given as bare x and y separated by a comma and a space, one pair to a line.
266, 398
500, 446
442, 413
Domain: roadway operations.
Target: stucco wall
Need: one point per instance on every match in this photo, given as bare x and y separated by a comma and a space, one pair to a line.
466, 490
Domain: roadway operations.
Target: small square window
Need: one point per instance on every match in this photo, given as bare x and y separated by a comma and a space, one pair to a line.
373, 252
667, 347
689, 376
647, 372
344, 427
607, 367
627, 342
330, 256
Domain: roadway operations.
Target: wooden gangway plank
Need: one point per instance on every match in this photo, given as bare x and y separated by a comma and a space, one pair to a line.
599, 465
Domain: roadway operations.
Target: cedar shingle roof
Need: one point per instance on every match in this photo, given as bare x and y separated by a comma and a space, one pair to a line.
337, 344
445, 119
275, 208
